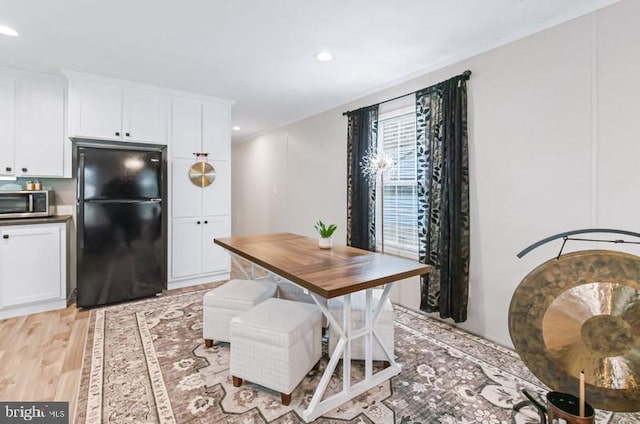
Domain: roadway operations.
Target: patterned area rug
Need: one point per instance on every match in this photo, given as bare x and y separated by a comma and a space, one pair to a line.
145, 362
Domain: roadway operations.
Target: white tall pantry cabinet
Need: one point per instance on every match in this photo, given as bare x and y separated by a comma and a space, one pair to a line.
199, 214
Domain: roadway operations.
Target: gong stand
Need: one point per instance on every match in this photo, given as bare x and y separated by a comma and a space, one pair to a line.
577, 312
566, 235
542, 411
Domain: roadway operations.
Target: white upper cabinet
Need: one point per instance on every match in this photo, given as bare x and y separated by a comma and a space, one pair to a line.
216, 134
39, 130
96, 110
200, 127
145, 116
186, 127
7, 95
31, 125
117, 111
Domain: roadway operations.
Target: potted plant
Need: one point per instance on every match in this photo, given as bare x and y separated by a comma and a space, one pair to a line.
326, 235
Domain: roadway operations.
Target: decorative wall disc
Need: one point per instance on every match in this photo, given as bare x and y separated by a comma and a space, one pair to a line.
202, 174
581, 312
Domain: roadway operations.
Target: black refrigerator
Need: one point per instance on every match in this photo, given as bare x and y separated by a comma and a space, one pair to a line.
121, 213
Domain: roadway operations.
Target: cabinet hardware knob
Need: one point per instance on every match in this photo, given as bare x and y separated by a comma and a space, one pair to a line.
118, 133
198, 222
127, 134
206, 222
8, 169
24, 169
5, 236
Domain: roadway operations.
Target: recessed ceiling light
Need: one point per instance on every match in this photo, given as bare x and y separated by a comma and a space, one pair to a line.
236, 128
324, 56
8, 31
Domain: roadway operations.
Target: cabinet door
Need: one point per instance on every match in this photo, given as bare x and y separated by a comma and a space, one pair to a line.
186, 128
216, 137
25, 274
214, 257
96, 110
215, 197
39, 129
186, 245
186, 198
7, 90
146, 116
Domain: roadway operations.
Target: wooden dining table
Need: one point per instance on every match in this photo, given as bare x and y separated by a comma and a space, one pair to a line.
325, 274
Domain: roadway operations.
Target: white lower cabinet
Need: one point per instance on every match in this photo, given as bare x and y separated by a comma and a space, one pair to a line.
193, 253
214, 258
186, 237
33, 268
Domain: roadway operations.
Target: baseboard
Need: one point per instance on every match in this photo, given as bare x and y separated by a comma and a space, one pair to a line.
34, 308
210, 278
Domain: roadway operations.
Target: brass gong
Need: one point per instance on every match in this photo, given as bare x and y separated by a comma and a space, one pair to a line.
581, 312
202, 174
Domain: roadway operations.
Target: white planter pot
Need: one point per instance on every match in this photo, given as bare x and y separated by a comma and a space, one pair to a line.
325, 243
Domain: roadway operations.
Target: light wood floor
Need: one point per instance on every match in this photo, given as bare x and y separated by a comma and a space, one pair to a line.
41, 354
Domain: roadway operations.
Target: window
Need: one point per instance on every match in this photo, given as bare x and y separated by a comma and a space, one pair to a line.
397, 139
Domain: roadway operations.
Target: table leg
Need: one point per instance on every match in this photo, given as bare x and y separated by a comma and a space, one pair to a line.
346, 357
368, 346
251, 273
240, 267
317, 405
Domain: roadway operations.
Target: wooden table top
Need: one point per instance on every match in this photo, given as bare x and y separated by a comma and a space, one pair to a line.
327, 272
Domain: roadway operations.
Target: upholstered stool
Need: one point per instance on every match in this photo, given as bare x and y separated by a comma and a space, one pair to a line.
227, 301
290, 291
384, 327
275, 344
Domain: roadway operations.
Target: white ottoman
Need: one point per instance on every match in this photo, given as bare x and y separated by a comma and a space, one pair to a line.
384, 328
275, 344
227, 301
290, 291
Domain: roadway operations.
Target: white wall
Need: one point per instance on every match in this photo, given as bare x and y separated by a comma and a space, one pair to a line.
554, 146
290, 178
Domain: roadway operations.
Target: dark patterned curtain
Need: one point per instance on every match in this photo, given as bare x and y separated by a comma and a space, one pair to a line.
362, 132
443, 197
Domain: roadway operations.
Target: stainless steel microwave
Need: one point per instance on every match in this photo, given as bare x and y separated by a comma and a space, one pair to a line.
25, 204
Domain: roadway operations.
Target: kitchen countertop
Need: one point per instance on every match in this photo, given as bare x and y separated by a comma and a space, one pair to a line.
29, 221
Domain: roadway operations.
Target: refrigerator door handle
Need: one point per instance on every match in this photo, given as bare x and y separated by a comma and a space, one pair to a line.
30, 202
80, 184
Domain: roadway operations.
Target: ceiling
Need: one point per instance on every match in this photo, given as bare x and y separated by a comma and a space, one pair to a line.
260, 53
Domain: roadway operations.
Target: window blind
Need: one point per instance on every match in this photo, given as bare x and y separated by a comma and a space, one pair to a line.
397, 139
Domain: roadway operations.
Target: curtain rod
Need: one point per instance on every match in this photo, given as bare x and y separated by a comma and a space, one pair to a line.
465, 76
